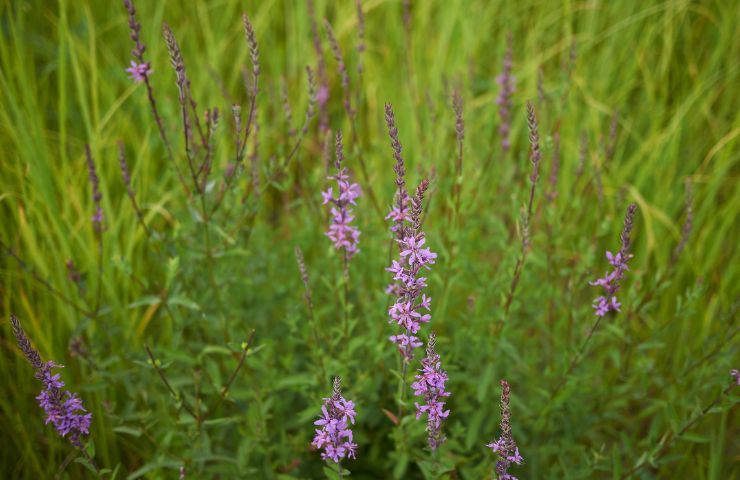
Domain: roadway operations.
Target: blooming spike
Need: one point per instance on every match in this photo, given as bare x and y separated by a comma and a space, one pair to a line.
430, 384
505, 446
345, 236
610, 281
334, 435
62, 408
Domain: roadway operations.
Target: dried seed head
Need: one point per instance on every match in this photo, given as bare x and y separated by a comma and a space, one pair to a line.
31, 354
431, 343
506, 417
338, 150
624, 237
417, 205
254, 51
534, 141
337, 388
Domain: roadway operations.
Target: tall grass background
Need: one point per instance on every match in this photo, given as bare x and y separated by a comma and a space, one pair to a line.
671, 70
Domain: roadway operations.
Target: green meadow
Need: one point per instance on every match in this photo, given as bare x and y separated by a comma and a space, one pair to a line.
183, 321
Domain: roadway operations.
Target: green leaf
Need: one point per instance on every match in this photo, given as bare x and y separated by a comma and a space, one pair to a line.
133, 431
183, 301
145, 301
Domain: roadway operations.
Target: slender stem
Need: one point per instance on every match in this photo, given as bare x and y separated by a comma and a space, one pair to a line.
99, 238
242, 359
67, 460
140, 216
345, 271
162, 132
162, 376
91, 461
577, 359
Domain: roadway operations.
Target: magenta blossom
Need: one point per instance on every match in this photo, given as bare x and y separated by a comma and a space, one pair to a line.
610, 281
138, 72
334, 435
430, 384
345, 236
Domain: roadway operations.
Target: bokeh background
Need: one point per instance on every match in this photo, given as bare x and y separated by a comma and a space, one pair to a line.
665, 74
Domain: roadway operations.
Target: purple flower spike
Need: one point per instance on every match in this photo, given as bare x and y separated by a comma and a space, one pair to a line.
735, 374
405, 312
344, 236
430, 384
610, 281
334, 435
138, 72
504, 446
62, 408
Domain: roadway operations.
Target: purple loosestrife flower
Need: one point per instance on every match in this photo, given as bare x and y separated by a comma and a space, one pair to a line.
334, 435
410, 301
345, 236
505, 446
610, 281
430, 384
138, 72
507, 82
62, 408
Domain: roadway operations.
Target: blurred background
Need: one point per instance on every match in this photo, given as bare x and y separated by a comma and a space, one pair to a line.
637, 103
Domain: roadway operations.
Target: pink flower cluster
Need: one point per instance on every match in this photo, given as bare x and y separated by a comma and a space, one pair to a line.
610, 283
335, 436
430, 384
345, 236
410, 302
139, 71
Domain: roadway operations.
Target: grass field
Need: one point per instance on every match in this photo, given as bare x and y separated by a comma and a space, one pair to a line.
183, 321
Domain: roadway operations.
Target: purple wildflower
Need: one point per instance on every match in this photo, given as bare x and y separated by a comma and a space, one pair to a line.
408, 284
344, 235
406, 228
62, 408
735, 374
139, 71
505, 446
610, 281
430, 384
507, 82
334, 435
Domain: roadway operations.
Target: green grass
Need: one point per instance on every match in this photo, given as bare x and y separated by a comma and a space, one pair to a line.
671, 69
